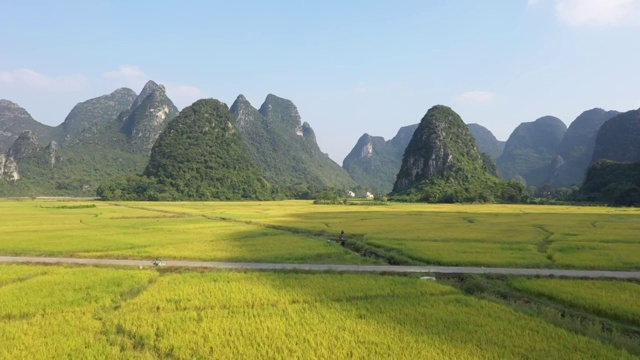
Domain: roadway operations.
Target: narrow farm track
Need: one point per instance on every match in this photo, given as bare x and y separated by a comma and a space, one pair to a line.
590, 274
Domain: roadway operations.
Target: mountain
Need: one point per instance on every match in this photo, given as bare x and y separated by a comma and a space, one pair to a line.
88, 118
486, 141
531, 149
148, 115
283, 147
615, 183
27, 159
15, 120
201, 156
374, 162
442, 164
619, 138
107, 136
576, 149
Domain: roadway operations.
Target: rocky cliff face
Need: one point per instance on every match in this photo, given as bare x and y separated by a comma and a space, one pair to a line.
577, 147
619, 138
530, 149
441, 148
148, 116
8, 168
283, 147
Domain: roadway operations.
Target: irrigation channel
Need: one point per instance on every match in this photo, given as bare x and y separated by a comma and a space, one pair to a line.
591, 274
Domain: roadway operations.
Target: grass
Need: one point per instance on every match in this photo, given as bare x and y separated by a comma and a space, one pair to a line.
88, 312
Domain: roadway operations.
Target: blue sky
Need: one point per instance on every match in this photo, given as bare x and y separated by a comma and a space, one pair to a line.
349, 66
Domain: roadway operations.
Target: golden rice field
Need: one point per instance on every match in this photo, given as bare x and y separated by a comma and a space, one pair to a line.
296, 231
106, 230
618, 300
91, 313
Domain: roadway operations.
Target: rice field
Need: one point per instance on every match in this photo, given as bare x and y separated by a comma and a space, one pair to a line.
296, 231
95, 229
89, 312
616, 300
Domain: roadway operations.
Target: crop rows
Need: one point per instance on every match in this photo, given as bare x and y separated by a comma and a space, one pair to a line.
612, 299
85, 312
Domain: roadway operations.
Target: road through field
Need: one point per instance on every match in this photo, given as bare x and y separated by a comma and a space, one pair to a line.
427, 269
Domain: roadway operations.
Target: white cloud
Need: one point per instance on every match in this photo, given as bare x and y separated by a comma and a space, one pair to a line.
596, 12
131, 76
33, 79
184, 95
476, 98
125, 72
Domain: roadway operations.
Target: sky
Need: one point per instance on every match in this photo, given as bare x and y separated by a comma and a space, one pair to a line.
351, 67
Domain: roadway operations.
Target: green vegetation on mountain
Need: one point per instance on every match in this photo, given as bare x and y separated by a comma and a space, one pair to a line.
199, 156
530, 151
577, 147
285, 149
614, 183
619, 138
442, 164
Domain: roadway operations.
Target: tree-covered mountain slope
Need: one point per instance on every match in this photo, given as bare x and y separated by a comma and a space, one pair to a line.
615, 183
619, 138
201, 156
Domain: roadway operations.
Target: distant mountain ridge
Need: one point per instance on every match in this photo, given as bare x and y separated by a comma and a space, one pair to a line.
530, 150
486, 141
102, 137
374, 162
577, 146
284, 147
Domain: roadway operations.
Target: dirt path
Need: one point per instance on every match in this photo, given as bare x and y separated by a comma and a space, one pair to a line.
592, 274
